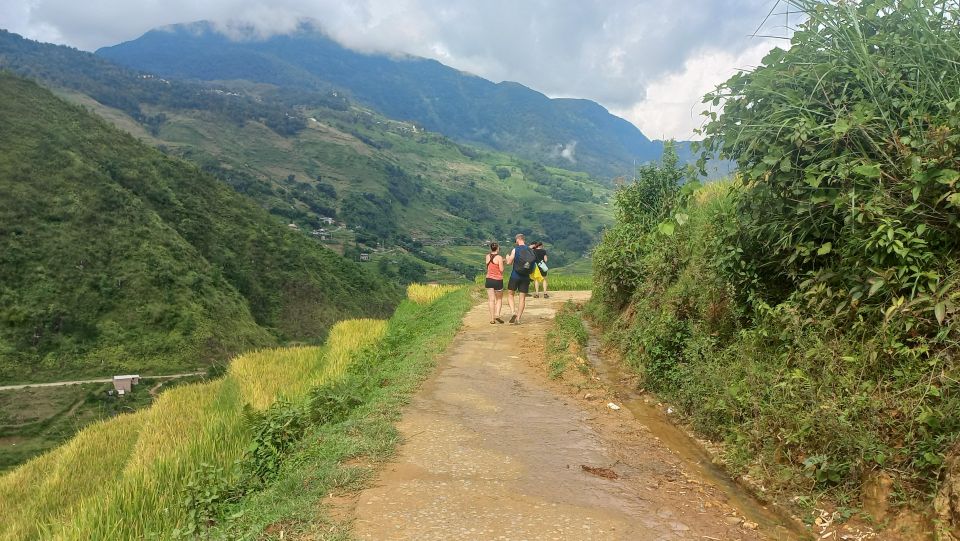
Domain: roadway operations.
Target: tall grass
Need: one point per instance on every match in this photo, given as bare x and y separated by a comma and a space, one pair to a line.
427, 294
324, 460
51, 488
345, 338
266, 375
124, 478
262, 381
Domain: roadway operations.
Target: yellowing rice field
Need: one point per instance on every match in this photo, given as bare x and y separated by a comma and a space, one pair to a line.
427, 294
124, 478
345, 338
53, 486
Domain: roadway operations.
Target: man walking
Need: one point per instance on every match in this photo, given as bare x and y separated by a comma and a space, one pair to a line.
523, 259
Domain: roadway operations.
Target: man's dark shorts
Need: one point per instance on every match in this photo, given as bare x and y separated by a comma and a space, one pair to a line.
519, 283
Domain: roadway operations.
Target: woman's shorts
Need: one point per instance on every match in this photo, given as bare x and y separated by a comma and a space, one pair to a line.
494, 284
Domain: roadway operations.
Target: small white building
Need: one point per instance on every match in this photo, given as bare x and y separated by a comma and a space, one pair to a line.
123, 384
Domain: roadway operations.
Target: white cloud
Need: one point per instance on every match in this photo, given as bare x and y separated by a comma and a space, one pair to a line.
647, 59
672, 106
568, 151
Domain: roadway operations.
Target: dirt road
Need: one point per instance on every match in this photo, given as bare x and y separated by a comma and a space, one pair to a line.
495, 450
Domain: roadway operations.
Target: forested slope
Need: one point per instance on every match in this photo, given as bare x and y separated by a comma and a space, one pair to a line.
117, 257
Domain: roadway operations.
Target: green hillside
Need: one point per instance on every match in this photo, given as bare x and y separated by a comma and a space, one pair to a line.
393, 184
116, 257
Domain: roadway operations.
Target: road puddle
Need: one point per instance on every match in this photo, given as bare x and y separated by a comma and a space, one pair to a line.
773, 522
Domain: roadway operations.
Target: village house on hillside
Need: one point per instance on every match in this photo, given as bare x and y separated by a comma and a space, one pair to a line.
123, 384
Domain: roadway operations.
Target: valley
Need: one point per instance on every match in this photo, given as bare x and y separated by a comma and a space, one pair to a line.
280, 234
403, 204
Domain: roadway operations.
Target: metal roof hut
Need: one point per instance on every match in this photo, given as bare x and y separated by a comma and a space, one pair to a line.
123, 384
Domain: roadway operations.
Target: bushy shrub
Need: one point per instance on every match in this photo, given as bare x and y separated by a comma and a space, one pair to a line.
641, 206
848, 145
806, 313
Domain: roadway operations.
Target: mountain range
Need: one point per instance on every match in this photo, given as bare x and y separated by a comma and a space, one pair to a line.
571, 133
309, 155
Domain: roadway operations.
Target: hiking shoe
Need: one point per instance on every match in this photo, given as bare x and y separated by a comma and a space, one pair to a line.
499, 320
513, 318
537, 296
545, 296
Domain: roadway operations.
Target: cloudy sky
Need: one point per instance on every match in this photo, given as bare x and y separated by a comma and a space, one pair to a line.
646, 60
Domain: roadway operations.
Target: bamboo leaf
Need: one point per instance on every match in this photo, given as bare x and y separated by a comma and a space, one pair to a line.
940, 310
869, 171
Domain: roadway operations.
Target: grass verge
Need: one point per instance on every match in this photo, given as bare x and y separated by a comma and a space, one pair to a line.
804, 404
566, 340
336, 455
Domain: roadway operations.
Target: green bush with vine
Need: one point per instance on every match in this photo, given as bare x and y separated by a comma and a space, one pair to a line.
805, 314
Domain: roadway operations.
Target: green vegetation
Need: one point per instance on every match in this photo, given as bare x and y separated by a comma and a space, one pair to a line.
118, 258
580, 267
228, 458
806, 315
330, 457
566, 340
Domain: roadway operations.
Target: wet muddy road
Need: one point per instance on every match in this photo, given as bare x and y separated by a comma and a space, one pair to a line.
495, 450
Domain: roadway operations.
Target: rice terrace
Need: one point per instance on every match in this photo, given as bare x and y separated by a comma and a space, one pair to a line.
380, 271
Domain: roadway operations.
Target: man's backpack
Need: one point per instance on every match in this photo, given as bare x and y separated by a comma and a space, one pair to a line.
526, 260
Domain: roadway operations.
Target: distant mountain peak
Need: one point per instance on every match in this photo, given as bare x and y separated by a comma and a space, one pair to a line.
505, 116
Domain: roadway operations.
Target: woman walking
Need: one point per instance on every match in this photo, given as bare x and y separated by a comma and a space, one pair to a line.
542, 263
494, 282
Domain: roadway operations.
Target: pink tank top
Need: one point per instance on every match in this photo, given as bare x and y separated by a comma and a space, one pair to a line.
493, 270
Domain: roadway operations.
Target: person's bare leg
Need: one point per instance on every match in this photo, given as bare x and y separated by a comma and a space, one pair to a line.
544, 286
510, 302
492, 303
499, 302
522, 303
